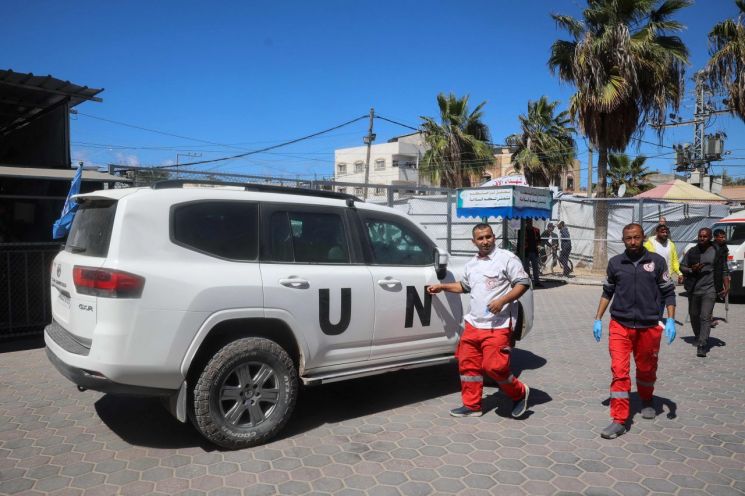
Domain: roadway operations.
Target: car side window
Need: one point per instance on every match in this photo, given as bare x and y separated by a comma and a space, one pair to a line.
396, 244
225, 229
308, 237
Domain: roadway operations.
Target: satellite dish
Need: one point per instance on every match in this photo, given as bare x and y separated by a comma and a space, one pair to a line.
621, 191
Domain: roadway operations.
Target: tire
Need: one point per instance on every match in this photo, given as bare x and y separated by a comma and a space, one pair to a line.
245, 394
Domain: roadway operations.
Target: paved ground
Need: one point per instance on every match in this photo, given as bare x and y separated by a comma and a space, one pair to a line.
392, 434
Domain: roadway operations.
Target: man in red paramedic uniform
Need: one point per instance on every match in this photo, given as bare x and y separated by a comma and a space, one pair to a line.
639, 283
495, 279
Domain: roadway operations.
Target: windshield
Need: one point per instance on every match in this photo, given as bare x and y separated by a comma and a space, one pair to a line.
734, 231
91, 228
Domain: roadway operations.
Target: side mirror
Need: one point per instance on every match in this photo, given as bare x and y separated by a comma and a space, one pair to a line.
441, 263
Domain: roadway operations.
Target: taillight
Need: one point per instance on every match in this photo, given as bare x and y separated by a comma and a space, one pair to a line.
107, 283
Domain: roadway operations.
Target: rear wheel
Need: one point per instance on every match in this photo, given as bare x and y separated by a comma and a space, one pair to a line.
245, 394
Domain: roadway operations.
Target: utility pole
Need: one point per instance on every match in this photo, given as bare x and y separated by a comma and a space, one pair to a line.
368, 140
186, 154
706, 148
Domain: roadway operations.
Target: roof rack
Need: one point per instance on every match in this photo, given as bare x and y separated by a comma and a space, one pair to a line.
264, 188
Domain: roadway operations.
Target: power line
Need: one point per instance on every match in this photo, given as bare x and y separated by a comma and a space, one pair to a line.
260, 150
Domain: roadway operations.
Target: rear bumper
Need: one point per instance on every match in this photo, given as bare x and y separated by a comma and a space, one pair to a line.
88, 380
63, 347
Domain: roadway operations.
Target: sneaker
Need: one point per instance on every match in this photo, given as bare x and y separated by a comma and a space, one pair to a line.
701, 352
613, 431
648, 411
519, 409
464, 411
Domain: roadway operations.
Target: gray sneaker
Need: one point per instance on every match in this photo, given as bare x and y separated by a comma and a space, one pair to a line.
464, 411
519, 409
613, 431
648, 411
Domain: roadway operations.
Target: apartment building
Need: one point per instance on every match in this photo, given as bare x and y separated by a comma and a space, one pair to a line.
392, 163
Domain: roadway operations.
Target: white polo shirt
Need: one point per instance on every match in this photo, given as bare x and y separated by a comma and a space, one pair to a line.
488, 278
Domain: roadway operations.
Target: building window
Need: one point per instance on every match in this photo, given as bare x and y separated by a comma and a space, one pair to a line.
341, 168
380, 164
394, 163
342, 190
358, 191
379, 191
570, 183
359, 166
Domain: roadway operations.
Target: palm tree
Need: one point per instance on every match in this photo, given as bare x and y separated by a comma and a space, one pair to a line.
545, 148
458, 146
726, 68
632, 173
627, 71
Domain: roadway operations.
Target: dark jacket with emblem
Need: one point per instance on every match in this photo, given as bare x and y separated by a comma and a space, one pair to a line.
638, 290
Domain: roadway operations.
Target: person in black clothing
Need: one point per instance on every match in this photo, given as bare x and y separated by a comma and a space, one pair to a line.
532, 242
566, 248
720, 241
706, 276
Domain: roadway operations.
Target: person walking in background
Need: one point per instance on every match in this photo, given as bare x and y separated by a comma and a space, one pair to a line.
720, 240
566, 248
531, 242
661, 244
638, 283
706, 276
550, 247
495, 280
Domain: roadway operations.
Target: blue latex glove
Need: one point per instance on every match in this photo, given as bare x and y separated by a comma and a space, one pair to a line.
670, 329
597, 330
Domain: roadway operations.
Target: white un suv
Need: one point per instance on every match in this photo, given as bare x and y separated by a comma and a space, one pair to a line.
223, 299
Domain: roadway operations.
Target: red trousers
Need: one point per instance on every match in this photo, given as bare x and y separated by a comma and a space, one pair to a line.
645, 344
485, 351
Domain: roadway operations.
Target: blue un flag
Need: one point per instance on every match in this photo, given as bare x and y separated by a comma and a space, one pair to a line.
62, 225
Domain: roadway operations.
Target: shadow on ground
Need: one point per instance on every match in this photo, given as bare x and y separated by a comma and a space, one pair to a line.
142, 421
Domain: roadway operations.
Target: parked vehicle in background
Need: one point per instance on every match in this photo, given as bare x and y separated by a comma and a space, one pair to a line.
224, 298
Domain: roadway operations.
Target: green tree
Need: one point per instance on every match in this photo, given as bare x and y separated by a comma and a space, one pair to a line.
726, 67
545, 148
627, 70
632, 173
458, 145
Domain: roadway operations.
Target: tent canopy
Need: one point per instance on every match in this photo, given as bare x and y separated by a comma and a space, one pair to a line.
681, 191
511, 202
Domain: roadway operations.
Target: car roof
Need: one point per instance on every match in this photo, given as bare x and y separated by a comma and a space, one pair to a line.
236, 192
738, 216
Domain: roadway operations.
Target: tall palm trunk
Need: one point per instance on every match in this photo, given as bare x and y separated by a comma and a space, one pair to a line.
600, 248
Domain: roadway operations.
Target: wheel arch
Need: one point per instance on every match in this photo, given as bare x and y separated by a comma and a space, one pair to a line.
232, 329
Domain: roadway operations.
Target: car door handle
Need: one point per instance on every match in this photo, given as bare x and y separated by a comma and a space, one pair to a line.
295, 282
389, 282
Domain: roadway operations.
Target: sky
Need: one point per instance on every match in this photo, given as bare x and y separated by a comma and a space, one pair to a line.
188, 80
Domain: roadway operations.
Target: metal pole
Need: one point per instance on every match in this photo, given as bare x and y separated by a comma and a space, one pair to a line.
368, 139
589, 171
450, 222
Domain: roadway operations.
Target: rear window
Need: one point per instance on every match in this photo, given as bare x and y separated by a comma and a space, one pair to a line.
224, 229
91, 228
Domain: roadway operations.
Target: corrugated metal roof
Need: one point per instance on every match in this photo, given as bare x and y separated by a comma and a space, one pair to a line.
736, 193
23, 96
58, 174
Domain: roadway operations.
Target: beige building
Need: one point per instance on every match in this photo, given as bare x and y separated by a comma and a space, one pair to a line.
568, 181
393, 163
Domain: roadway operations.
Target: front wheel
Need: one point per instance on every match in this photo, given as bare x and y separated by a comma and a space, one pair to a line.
245, 394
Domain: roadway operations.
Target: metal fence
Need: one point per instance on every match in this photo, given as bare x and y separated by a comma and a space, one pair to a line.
25, 291
434, 209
